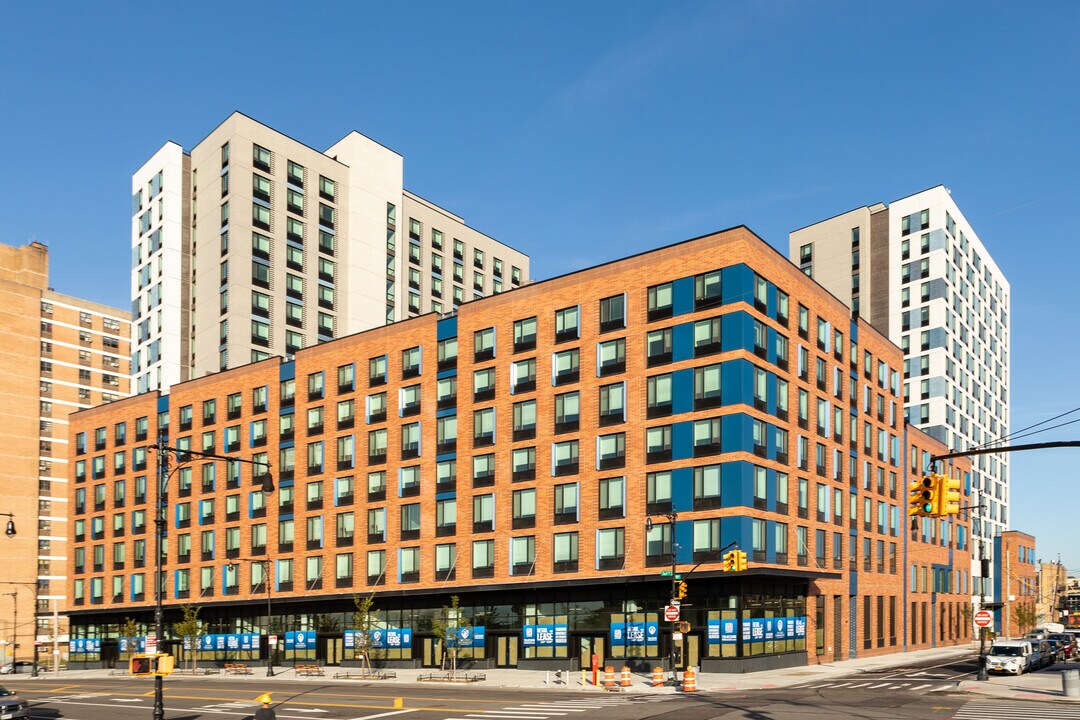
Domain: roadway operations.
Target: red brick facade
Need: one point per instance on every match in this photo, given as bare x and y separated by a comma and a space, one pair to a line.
811, 456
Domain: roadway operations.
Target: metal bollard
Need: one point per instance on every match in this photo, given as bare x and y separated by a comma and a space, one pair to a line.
1070, 683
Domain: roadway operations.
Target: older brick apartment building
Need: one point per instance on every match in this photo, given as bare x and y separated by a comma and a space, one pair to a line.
59, 353
511, 454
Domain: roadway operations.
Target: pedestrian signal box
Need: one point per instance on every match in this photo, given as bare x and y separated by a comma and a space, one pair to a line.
144, 665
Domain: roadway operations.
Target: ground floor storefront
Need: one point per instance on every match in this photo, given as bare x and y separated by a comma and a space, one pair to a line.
725, 624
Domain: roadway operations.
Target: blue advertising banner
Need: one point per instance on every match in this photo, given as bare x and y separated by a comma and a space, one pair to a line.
91, 646
227, 642
757, 629
544, 635
300, 640
723, 632
468, 637
634, 633
396, 638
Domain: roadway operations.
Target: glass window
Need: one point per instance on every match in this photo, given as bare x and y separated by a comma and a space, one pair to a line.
613, 312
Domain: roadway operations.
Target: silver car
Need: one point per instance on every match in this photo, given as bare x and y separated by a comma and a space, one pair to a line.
12, 707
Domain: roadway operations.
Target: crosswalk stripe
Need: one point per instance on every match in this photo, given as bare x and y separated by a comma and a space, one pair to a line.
841, 685
874, 687
942, 687
859, 685
998, 710
519, 717
921, 686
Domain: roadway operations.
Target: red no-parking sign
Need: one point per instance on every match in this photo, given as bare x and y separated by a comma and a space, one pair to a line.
983, 618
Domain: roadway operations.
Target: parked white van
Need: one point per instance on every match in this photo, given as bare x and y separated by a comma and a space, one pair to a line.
1011, 656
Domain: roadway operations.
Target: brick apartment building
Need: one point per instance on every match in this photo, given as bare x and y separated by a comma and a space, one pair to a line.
1016, 590
59, 353
511, 454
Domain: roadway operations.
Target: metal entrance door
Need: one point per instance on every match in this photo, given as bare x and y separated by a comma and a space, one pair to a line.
333, 649
506, 651
587, 646
838, 625
432, 648
688, 650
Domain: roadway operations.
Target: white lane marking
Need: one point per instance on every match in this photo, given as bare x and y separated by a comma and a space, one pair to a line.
308, 710
127, 699
859, 685
917, 687
841, 685
881, 685
180, 714
385, 714
943, 687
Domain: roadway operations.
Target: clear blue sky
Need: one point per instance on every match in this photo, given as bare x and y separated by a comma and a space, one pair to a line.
581, 132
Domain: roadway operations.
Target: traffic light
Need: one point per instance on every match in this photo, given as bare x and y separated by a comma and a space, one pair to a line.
144, 665
921, 500
740, 560
680, 590
731, 562
949, 494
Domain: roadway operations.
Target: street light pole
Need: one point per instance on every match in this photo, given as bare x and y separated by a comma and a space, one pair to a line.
159, 532
672, 517
162, 448
265, 564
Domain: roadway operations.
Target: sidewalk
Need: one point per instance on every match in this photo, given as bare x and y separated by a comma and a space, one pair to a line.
1045, 685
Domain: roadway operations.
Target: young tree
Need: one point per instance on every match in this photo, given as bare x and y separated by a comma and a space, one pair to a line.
1025, 616
449, 628
363, 620
129, 632
190, 629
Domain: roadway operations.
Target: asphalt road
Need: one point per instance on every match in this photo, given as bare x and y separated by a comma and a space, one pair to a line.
916, 692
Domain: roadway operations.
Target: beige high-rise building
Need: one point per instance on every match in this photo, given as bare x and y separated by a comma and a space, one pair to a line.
59, 354
916, 269
252, 244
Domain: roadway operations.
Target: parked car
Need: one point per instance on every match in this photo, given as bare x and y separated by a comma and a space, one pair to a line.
19, 666
12, 706
1046, 654
1068, 641
1011, 656
1057, 650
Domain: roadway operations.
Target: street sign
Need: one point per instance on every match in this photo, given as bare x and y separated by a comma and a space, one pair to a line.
667, 573
983, 618
273, 640
671, 613
151, 644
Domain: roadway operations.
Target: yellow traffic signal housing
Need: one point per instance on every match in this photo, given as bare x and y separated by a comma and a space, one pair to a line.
740, 560
146, 665
164, 665
731, 563
680, 590
949, 494
922, 499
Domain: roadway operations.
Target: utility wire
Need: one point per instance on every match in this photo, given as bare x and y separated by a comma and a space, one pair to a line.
1035, 432
1017, 433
